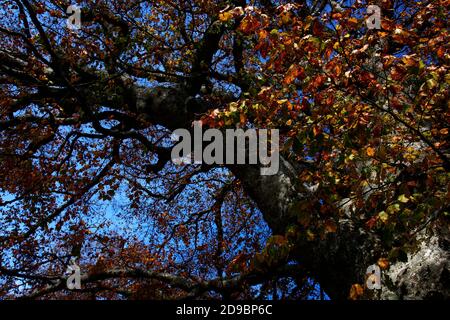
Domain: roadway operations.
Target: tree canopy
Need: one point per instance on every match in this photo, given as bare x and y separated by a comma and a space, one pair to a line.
86, 117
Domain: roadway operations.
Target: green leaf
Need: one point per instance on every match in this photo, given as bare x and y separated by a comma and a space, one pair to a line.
383, 216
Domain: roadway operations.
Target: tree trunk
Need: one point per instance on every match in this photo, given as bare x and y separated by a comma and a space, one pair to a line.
342, 258
425, 275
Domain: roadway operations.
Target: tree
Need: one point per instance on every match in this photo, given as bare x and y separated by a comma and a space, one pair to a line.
86, 121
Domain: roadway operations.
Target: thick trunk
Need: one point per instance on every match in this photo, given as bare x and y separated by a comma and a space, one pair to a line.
342, 258
426, 273
336, 262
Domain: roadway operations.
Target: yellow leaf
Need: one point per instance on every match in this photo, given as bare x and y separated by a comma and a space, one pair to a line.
447, 78
403, 199
225, 16
233, 107
431, 83
310, 235
383, 216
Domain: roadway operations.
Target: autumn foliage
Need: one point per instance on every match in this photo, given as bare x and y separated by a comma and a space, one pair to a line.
85, 168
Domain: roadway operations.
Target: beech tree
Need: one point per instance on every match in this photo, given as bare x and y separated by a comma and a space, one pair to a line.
86, 119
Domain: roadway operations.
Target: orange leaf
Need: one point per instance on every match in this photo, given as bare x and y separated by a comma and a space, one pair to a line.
293, 73
249, 24
353, 21
370, 151
330, 226
409, 61
356, 291
316, 130
383, 263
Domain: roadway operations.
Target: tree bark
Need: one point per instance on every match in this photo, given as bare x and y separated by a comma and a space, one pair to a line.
342, 258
